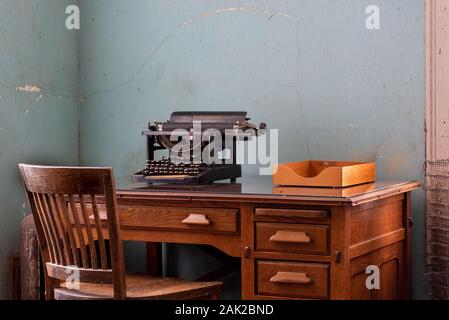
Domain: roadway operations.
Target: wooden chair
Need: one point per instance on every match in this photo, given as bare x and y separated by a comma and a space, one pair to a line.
78, 244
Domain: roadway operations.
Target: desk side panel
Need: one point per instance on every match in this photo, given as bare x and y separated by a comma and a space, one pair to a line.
379, 233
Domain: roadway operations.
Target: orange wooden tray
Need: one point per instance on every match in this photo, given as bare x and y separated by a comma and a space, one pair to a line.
315, 173
325, 192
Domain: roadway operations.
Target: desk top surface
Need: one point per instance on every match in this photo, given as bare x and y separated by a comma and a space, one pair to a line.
259, 188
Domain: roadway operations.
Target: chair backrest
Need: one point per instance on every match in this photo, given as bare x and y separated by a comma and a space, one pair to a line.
68, 207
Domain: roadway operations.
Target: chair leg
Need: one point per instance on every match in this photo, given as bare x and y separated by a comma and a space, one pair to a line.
50, 285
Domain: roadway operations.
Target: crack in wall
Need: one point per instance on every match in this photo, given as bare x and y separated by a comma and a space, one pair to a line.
298, 94
255, 77
182, 25
270, 13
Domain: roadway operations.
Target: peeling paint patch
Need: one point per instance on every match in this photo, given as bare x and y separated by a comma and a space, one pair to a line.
29, 88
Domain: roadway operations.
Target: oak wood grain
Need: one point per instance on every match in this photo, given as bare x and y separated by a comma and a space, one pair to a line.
373, 223
247, 251
198, 219
340, 262
292, 215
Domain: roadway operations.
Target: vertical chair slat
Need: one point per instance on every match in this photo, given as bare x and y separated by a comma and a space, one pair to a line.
90, 237
117, 261
102, 245
82, 243
46, 227
63, 229
57, 236
36, 205
71, 235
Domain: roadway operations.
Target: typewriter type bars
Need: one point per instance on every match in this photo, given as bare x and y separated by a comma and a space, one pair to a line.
191, 170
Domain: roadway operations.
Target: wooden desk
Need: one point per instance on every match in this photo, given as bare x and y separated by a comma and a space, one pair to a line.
299, 243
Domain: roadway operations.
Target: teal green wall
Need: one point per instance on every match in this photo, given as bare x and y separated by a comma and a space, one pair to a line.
308, 67
40, 127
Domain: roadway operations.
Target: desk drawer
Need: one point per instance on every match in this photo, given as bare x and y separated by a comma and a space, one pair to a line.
200, 219
292, 279
292, 238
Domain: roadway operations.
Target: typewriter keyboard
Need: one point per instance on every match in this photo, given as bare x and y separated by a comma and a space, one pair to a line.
165, 167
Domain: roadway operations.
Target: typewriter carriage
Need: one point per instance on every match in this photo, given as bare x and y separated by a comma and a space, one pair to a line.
160, 133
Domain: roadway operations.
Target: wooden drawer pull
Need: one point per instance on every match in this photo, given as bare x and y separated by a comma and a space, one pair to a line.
291, 277
291, 237
195, 219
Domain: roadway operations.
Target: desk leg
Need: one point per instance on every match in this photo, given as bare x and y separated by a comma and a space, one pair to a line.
154, 259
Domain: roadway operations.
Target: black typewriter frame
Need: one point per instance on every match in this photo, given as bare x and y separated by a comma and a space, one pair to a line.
222, 121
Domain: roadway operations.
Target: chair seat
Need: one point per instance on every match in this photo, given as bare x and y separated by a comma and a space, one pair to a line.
143, 287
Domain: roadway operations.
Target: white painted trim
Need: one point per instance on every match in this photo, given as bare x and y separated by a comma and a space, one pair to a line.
437, 80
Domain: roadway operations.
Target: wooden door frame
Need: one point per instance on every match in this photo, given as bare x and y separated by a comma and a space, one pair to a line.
437, 80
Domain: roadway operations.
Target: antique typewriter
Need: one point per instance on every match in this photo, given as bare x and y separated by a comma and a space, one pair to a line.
187, 137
